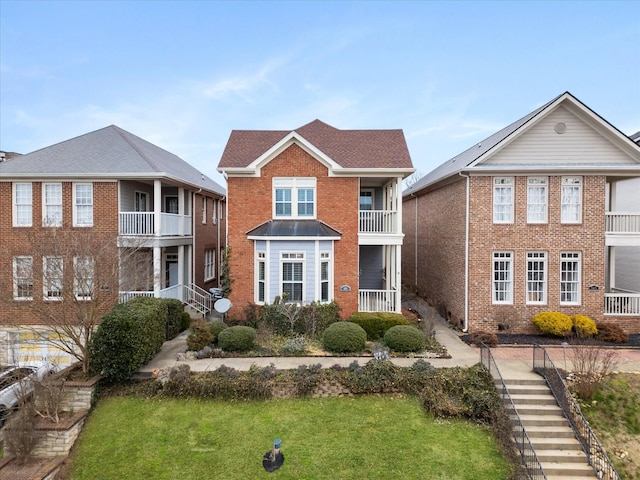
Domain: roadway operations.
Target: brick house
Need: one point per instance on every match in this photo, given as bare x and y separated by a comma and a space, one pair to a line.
144, 211
527, 221
316, 213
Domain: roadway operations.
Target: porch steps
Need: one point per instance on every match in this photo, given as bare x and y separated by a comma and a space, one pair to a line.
553, 440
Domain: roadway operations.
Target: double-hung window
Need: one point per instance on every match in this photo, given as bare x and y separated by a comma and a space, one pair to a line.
83, 277
324, 277
22, 205
503, 200
503, 277
52, 204
23, 278
537, 200
52, 278
292, 266
294, 197
537, 277
209, 264
570, 278
571, 202
83, 205
261, 271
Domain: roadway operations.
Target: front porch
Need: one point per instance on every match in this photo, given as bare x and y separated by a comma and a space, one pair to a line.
622, 303
192, 295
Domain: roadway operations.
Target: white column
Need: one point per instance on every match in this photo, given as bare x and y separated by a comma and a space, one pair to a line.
398, 273
157, 206
181, 210
157, 271
612, 269
181, 267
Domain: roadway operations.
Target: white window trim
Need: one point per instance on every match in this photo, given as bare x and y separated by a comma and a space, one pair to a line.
261, 257
580, 202
325, 256
46, 282
508, 259
75, 206
46, 222
15, 205
510, 183
542, 257
204, 209
299, 257
578, 260
15, 277
545, 184
77, 276
209, 264
294, 184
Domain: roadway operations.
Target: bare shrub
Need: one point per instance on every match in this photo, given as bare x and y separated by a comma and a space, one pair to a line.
20, 435
591, 364
48, 399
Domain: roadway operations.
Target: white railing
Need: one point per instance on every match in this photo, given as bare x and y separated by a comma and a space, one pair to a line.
622, 304
622, 222
172, 292
377, 300
126, 296
136, 223
142, 223
379, 221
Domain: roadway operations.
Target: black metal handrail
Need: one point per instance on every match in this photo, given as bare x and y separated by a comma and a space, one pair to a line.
527, 452
596, 454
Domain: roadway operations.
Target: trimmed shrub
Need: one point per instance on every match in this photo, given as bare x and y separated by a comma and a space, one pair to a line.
584, 326
237, 339
404, 338
376, 324
344, 337
185, 321
553, 323
174, 317
612, 333
489, 339
215, 328
200, 335
130, 335
295, 346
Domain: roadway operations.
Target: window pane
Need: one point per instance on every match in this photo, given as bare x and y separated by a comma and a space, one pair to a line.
23, 204
502, 278
84, 204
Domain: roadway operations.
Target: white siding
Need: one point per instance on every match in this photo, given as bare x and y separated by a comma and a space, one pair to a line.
579, 144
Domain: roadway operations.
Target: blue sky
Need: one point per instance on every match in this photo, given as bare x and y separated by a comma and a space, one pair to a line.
184, 74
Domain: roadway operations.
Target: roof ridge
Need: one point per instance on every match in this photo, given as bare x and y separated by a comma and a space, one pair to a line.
151, 163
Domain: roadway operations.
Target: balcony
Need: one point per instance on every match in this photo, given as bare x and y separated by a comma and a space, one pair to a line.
379, 221
143, 224
622, 229
622, 304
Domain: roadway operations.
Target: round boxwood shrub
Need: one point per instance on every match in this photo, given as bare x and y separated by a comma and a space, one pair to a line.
237, 339
584, 326
376, 324
404, 338
344, 337
200, 336
215, 328
553, 323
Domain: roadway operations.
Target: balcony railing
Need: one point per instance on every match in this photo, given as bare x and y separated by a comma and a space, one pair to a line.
622, 304
379, 221
142, 223
622, 223
377, 301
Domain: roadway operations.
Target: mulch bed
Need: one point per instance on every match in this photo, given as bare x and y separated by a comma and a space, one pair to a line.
522, 339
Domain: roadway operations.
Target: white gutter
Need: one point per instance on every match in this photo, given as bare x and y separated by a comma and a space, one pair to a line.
415, 246
466, 259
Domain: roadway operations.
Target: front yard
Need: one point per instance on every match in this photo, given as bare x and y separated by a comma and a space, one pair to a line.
351, 438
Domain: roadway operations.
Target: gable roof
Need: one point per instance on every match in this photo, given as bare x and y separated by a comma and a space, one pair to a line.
344, 149
472, 158
110, 152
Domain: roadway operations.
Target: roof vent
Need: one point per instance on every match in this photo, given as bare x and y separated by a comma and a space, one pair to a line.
560, 128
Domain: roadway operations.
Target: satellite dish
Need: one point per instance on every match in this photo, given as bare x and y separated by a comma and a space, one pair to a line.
222, 306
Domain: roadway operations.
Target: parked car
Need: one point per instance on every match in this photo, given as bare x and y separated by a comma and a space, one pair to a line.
19, 381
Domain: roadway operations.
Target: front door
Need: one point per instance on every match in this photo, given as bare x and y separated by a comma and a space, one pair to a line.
171, 270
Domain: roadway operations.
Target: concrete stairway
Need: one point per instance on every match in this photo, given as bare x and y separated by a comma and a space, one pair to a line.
552, 438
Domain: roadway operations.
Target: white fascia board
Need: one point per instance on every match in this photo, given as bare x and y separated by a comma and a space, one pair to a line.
624, 170
374, 172
286, 142
290, 238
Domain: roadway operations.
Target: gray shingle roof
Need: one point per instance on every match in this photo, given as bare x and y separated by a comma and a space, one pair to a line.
294, 228
385, 149
109, 152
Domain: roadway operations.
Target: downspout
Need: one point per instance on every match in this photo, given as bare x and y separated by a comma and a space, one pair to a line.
415, 243
466, 259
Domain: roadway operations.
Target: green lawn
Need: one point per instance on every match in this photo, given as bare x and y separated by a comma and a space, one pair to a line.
374, 437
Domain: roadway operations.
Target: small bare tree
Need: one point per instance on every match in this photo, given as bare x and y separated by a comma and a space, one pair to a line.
591, 364
80, 271
412, 179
